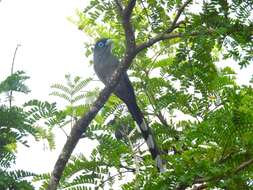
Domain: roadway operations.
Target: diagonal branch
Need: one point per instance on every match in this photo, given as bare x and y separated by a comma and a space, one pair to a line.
12, 71
119, 6
179, 12
81, 125
129, 9
157, 38
165, 36
243, 165
112, 177
202, 181
128, 28
146, 13
239, 168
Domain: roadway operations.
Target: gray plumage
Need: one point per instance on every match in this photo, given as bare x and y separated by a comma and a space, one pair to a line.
105, 63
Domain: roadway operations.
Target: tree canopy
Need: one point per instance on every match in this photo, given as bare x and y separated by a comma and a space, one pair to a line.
201, 118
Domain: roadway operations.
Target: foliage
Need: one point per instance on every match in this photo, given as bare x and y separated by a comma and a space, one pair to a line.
73, 93
15, 180
15, 82
44, 116
203, 120
17, 123
13, 129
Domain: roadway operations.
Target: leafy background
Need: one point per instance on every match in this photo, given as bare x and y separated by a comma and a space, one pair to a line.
201, 117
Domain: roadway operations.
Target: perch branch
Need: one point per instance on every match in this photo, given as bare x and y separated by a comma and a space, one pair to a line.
82, 124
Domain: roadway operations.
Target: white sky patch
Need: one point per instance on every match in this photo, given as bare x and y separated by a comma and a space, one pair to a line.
243, 75
51, 47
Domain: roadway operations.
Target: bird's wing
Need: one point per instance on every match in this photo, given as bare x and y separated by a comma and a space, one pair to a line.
124, 89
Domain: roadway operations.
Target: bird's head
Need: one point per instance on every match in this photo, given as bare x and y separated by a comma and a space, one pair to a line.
103, 45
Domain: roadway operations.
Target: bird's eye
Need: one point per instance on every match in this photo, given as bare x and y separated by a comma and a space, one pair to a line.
100, 44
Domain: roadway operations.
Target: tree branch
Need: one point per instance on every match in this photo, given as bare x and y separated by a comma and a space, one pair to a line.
158, 113
243, 165
129, 9
165, 36
81, 125
119, 6
179, 12
239, 168
146, 13
112, 177
199, 187
120, 165
128, 28
12, 71
157, 38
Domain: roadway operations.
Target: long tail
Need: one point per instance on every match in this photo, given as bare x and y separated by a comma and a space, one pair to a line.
147, 135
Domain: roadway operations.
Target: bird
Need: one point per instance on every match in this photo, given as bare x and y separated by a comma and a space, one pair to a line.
105, 63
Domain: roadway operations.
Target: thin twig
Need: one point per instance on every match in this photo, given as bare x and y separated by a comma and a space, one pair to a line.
14, 57
120, 165
12, 70
155, 57
158, 114
146, 13
112, 177
139, 145
136, 161
64, 132
157, 38
165, 36
243, 165
239, 168
179, 12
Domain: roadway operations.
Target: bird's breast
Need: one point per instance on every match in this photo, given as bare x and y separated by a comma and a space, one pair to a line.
104, 68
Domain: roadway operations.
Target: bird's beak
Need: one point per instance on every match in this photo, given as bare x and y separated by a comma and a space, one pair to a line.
108, 42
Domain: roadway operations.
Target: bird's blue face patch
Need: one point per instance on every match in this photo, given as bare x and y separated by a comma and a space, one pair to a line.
101, 43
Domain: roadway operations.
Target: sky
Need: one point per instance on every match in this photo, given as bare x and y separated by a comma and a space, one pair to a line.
50, 47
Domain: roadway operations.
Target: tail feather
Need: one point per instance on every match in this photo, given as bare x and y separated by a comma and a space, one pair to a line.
135, 112
124, 90
147, 135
